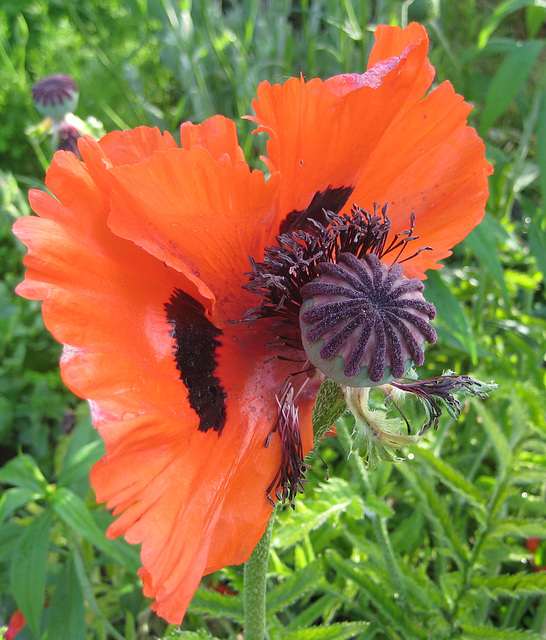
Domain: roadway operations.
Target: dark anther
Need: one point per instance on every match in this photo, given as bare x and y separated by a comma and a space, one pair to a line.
331, 200
294, 260
195, 355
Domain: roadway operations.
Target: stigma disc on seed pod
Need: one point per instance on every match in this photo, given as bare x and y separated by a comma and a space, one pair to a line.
363, 323
56, 95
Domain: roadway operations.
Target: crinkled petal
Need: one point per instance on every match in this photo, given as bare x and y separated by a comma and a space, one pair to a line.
202, 216
323, 133
218, 135
128, 147
378, 135
431, 163
195, 500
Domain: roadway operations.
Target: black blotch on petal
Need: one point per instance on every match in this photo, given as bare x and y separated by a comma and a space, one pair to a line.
195, 357
331, 200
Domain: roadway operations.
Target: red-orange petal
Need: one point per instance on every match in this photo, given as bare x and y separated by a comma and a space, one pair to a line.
128, 147
376, 133
218, 135
196, 501
392, 41
16, 623
432, 164
322, 133
202, 216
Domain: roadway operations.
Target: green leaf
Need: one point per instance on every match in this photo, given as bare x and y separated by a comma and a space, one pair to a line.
496, 436
537, 242
339, 631
23, 471
333, 498
536, 236
80, 463
508, 81
75, 514
294, 587
524, 528
177, 634
12, 499
436, 511
452, 478
541, 142
29, 570
513, 586
482, 242
10, 535
451, 315
471, 632
322, 607
382, 598
501, 11
216, 604
534, 19
329, 406
88, 589
66, 615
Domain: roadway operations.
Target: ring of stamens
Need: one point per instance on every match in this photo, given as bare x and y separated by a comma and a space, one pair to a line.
363, 322
302, 255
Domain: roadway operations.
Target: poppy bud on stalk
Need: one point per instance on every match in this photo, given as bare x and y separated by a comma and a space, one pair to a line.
55, 96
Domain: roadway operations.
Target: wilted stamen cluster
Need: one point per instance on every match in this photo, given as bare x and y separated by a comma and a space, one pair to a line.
290, 477
368, 313
440, 391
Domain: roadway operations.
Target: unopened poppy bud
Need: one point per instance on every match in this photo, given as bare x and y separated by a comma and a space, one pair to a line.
55, 96
363, 322
67, 137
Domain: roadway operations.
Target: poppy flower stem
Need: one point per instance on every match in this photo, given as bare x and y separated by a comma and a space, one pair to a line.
255, 574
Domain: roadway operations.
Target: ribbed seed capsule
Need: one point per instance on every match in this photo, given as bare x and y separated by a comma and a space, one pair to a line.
55, 96
364, 323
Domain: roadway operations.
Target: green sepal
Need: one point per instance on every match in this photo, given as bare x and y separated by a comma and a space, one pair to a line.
329, 406
375, 436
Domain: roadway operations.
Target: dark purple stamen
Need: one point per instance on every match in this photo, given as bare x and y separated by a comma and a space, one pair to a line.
294, 260
370, 300
330, 200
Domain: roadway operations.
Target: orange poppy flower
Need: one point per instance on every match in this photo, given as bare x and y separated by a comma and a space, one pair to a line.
16, 623
142, 261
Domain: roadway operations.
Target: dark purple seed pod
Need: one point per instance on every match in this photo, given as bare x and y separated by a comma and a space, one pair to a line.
364, 323
55, 96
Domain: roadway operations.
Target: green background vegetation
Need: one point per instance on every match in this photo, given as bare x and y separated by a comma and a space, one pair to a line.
432, 547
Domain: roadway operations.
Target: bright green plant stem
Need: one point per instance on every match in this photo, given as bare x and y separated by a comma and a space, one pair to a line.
255, 574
